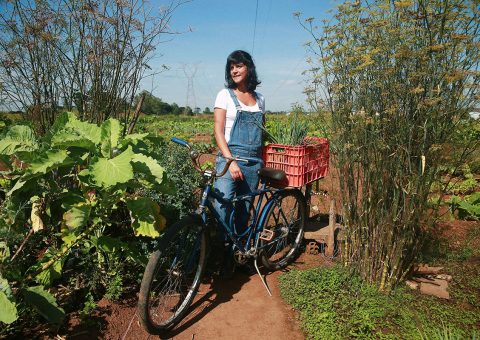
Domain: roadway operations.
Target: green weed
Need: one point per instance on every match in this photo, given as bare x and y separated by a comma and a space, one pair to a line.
334, 304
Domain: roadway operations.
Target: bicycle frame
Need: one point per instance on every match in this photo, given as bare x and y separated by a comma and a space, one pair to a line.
253, 230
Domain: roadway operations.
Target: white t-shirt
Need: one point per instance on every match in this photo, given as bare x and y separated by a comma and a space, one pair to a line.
225, 101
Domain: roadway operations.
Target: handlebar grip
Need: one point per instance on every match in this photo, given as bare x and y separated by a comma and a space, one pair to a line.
179, 141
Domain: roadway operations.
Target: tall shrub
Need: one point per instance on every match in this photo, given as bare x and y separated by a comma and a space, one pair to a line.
91, 55
397, 77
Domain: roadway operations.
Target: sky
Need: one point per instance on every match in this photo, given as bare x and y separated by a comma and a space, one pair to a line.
275, 40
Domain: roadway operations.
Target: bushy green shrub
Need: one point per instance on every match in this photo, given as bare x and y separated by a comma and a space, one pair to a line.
75, 195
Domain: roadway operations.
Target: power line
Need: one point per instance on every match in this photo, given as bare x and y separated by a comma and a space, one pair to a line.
255, 27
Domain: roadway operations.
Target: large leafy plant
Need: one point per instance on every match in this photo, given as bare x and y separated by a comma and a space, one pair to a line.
71, 185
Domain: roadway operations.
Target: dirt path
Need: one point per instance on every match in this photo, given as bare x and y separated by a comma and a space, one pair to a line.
239, 308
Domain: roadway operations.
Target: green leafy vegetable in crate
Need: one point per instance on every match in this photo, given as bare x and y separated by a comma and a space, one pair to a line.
289, 131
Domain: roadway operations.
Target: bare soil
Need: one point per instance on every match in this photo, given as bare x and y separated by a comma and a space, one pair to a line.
238, 308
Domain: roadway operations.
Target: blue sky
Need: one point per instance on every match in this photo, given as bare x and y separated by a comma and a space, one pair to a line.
222, 26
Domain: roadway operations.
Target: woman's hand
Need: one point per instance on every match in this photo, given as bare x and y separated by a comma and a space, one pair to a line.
235, 171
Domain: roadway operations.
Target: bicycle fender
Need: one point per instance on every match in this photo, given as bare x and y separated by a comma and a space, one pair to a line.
266, 208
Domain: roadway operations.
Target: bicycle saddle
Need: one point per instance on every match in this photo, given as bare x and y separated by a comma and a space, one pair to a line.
273, 174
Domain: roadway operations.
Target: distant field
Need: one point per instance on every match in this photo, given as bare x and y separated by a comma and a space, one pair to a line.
200, 127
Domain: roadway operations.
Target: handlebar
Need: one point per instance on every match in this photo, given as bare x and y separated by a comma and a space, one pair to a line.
195, 155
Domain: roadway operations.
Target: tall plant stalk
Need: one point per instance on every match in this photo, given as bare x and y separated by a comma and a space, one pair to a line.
92, 55
397, 78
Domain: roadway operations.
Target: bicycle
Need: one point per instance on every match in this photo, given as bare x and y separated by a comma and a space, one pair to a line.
174, 271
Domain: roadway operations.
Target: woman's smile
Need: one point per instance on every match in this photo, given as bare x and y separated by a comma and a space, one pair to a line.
238, 72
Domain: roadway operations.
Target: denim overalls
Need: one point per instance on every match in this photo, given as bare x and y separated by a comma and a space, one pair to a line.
245, 140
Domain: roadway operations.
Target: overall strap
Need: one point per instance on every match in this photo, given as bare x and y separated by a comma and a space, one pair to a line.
235, 100
257, 98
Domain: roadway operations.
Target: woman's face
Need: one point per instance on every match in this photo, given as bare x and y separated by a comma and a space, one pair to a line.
238, 72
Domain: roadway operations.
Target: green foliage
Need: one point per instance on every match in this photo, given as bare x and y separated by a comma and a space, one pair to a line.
291, 131
88, 307
18, 138
184, 127
468, 207
78, 187
44, 303
153, 105
8, 310
185, 179
334, 303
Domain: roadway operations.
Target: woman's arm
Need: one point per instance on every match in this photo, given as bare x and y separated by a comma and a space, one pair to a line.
220, 116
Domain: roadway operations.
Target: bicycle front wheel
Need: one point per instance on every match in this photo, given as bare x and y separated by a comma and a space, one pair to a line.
172, 276
284, 225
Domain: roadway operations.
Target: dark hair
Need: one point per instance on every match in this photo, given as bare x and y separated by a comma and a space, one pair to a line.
237, 57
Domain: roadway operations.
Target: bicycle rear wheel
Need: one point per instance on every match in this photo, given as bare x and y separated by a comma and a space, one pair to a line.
285, 223
172, 276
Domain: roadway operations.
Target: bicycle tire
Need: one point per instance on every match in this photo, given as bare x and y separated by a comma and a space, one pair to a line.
286, 219
172, 276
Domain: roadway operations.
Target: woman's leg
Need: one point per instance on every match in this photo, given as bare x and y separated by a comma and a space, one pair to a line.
248, 185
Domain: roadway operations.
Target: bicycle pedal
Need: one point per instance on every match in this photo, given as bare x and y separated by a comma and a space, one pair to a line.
267, 235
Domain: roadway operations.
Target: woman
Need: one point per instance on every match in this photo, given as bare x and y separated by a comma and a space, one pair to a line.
239, 118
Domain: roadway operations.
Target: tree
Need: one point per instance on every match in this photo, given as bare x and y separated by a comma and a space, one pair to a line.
153, 105
85, 54
187, 111
397, 78
176, 110
207, 110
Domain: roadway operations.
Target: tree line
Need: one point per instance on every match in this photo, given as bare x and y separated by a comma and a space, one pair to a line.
153, 105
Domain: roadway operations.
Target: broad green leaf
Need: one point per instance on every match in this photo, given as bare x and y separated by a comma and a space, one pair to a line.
108, 172
44, 303
52, 273
49, 275
27, 182
111, 130
60, 122
74, 220
146, 218
66, 139
18, 138
466, 210
51, 160
87, 130
18, 185
133, 251
68, 131
134, 137
149, 165
167, 186
8, 310
109, 244
474, 198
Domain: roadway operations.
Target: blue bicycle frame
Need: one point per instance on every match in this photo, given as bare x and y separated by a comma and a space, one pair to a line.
253, 230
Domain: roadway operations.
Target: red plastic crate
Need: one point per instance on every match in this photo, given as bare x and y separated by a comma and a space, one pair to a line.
303, 164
